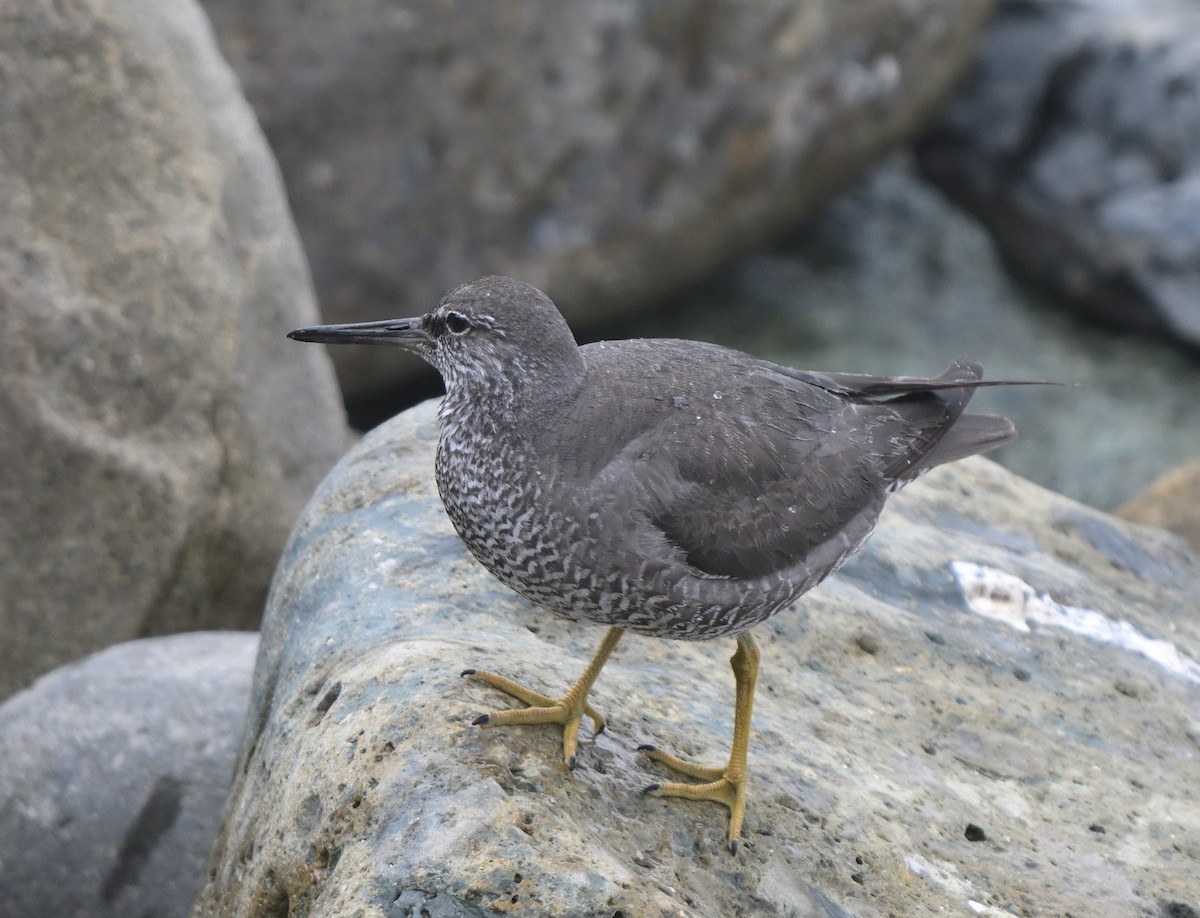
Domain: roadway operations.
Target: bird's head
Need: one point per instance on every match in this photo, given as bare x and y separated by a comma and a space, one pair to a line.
495, 334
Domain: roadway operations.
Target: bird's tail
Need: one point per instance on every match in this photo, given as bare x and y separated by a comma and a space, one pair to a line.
937, 405
970, 434
959, 435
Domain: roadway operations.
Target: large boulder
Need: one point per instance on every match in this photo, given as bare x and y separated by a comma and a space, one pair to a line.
605, 152
1077, 141
992, 708
112, 775
158, 434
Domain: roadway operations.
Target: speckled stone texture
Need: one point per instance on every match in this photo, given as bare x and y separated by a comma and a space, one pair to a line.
918, 747
606, 153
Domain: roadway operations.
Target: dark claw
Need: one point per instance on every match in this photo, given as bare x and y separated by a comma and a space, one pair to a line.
467, 672
651, 788
733, 846
647, 747
603, 727
571, 763
481, 720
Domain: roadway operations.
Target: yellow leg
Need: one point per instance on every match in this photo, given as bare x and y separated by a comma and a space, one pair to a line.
724, 785
543, 709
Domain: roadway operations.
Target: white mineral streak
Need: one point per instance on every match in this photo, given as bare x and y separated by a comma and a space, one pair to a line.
1006, 598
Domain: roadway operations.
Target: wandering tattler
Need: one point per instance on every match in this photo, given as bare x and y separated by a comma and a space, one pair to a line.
670, 488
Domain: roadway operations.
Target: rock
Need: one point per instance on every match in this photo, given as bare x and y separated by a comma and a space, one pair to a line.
1171, 502
1077, 141
890, 278
112, 775
606, 153
158, 435
993, 706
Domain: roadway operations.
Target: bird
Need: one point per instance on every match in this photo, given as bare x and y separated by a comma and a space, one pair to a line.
669, 488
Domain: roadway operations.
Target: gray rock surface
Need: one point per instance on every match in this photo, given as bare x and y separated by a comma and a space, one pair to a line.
1077, 141
604, 152
157, 433
112, 775
992, 710
890, 278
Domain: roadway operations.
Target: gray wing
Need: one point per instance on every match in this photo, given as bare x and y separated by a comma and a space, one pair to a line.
745, 470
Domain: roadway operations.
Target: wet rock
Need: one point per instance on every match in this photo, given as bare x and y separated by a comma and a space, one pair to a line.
1077, 141
1000, 635
606, 153
157, 433
112, 775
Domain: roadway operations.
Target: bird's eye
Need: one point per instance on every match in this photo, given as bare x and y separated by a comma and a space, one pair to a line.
457, 322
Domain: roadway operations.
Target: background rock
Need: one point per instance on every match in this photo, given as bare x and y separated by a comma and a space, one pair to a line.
607, 153
1171, 501
157, 432
1077, 142
890, 278
112, 775
910, 757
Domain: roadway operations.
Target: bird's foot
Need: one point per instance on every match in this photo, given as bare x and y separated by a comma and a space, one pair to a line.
566, 711
725, 785
543, 709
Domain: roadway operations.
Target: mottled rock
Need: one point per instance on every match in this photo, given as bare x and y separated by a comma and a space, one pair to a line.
1171, 501
604, 152
1077, 141
992, 707
891, 278
112, 775
157, 434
